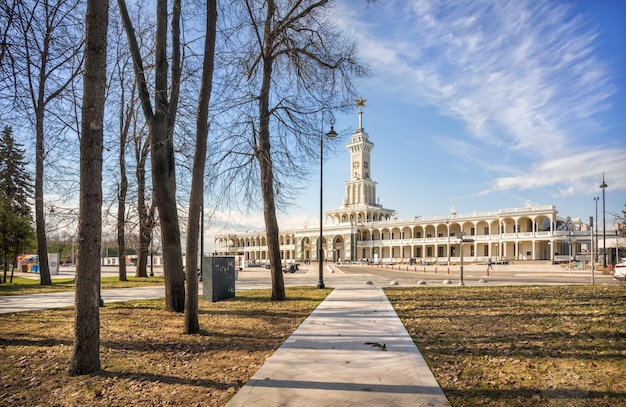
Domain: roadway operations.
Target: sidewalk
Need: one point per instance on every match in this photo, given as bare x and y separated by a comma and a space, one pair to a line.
325, 362
18, 303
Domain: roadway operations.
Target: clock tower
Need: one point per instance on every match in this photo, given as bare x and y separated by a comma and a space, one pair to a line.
360, 202
360, 189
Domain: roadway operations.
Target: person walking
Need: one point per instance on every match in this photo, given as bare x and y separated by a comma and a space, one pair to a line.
489, 264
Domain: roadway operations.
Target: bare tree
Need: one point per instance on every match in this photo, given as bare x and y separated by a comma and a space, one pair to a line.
86, 351
197, 183
126, 118
161, 122
50, 43
296, 63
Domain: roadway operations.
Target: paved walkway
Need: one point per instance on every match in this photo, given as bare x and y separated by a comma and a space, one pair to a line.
326, 363
18, 303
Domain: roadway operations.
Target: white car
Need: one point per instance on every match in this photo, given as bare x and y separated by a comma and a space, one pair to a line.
620, 270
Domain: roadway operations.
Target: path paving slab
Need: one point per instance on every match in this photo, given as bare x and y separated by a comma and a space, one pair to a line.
325, 362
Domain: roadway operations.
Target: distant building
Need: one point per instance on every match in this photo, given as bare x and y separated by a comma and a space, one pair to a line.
361, 228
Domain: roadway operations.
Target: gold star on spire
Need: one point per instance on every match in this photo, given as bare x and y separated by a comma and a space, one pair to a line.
360, 102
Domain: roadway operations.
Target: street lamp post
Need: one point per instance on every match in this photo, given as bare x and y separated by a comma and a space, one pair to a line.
616, 227
462, 282
593, 264
603, 186
331, 135
569, 263
596, 198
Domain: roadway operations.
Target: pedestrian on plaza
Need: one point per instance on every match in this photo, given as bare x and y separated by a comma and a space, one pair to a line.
489, 264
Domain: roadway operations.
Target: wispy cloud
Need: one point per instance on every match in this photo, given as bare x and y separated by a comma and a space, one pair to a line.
524, 76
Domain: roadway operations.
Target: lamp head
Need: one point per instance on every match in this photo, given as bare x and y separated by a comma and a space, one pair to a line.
331, 133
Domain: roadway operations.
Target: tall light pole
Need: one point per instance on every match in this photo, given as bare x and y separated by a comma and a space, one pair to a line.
593, 264
616, 228
603, 186
463, 240
331, 135
596, 198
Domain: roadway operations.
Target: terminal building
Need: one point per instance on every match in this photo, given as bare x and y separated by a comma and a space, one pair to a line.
361, 229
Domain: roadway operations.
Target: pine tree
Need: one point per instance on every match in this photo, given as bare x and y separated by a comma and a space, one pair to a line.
16, 186
16, 223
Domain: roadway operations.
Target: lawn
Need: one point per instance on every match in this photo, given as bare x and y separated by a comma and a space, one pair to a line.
487, 346
146, 359
521, 346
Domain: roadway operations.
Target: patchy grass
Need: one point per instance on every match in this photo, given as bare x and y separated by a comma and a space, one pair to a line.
146, 359
27, 286
521, 346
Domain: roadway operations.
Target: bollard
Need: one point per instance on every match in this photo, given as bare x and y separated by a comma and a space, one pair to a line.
435, 270
424, 270
487, 271
448, 270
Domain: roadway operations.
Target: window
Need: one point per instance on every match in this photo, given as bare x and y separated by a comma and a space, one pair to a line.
473, 231
486, 230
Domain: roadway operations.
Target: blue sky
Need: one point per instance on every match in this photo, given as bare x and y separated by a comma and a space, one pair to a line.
484, 105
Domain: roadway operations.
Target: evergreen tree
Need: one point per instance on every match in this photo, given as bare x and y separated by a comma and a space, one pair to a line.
16, 224
16, 186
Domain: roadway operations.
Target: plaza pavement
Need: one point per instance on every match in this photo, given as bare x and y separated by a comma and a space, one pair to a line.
326, 361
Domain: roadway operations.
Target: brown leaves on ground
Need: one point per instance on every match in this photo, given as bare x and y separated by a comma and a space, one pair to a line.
521, 346
146, 359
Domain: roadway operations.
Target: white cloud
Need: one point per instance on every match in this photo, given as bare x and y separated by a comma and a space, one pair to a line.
523, 76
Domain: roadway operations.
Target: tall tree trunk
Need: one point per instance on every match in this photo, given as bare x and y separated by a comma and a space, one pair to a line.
146, 220
126, 117
161, 124
197, 180
265, 161
121, 198
40, 219
163, 161
86, 352
146, 216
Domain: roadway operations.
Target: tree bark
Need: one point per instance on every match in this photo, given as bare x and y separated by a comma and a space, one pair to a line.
121, 193
161, 124
265, 161
86, 351
40, 219
197, 181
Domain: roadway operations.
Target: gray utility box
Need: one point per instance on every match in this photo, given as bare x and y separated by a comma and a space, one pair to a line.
218, 278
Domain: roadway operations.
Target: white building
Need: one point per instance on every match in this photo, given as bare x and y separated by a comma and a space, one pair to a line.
361, 228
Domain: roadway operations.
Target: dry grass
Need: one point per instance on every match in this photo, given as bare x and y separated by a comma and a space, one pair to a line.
487, 346
146, 360
521, 346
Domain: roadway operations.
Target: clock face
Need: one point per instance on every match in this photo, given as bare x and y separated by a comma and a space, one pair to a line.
356, 164
365, 164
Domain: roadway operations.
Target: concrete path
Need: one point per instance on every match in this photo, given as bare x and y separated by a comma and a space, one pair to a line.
18, 303
326, 363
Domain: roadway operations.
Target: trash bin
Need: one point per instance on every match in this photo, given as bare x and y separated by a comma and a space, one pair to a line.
218, 277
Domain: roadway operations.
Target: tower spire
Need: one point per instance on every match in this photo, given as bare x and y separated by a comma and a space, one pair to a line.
360, 104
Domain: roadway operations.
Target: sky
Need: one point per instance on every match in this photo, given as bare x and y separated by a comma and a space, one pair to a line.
483, 105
